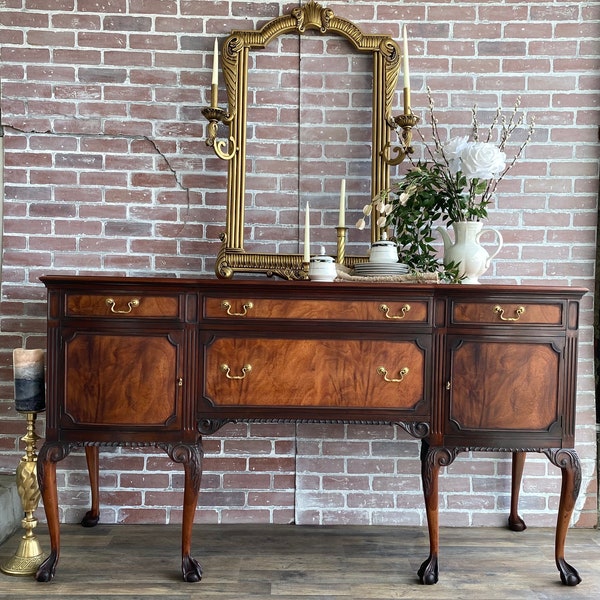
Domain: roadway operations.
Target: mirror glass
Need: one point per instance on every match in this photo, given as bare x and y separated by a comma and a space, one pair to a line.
306, 132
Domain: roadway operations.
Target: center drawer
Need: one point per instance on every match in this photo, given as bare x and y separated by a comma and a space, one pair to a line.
314, 373
412, 311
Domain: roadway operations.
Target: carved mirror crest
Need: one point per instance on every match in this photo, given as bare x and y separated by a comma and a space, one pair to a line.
233, 258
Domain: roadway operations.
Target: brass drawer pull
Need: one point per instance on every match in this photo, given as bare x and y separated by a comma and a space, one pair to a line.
130, 306
385, 309
500, 312
245, 369
402, 373
226, 305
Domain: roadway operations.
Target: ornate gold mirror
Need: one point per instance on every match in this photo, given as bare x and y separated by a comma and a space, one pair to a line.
232, 148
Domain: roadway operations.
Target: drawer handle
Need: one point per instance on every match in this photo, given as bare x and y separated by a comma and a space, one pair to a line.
500, 312
245, 369
130, 306
385, 309
383, 371
226, 305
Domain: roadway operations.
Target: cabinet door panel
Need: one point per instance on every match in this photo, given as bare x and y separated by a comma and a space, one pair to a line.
122, 379
326, 373
503, 385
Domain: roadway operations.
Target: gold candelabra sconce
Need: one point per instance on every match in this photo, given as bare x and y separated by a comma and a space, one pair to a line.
403, 124
214, 116
29, 555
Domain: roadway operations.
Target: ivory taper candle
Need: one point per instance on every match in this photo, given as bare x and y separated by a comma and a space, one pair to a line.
406, 70
307, 234
214, 87
342, 216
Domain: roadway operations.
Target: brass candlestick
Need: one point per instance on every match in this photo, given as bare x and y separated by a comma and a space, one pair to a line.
341, 244
28, 556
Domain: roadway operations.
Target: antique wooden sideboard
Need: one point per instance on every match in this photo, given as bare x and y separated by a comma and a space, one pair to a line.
162, 362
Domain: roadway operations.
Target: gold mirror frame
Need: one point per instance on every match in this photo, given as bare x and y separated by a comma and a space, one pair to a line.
232, 257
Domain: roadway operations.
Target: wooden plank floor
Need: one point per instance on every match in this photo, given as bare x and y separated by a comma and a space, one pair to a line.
252, 562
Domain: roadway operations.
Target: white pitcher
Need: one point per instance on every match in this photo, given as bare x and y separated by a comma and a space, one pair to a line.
473, 260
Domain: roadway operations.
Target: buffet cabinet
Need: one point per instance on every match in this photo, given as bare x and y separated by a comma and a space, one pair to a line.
162, 362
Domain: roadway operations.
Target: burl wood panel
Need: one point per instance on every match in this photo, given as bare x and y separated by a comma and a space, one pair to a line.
121, 379
504, 386
414, 311
320, 373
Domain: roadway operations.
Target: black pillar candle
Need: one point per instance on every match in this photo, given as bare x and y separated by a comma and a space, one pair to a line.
28, 368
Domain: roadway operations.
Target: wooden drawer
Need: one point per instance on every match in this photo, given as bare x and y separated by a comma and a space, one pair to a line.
122, 305
393, 311
314, 373
507, 313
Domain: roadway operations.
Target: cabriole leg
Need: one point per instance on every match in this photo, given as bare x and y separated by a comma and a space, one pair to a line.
190, 455
48, 456
92, 516
431, 461
515, 522
568, 462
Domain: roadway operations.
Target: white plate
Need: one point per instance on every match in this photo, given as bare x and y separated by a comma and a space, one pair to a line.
380, 269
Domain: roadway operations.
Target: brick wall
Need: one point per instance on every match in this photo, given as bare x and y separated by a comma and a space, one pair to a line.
107, 172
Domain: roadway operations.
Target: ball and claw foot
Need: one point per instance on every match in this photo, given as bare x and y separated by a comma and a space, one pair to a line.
47, 569
90, 519
428, 573
192, 571
568, 574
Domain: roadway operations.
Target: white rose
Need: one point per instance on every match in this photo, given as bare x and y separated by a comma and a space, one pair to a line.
482, 160
452, 150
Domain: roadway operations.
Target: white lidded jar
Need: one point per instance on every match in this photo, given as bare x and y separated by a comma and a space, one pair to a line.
321, 267
383, 251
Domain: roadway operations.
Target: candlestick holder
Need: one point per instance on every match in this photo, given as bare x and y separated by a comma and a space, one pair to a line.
216, 115
342, 233
304, 270
29, 555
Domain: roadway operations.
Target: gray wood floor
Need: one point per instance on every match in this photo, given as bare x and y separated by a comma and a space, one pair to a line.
250, 562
